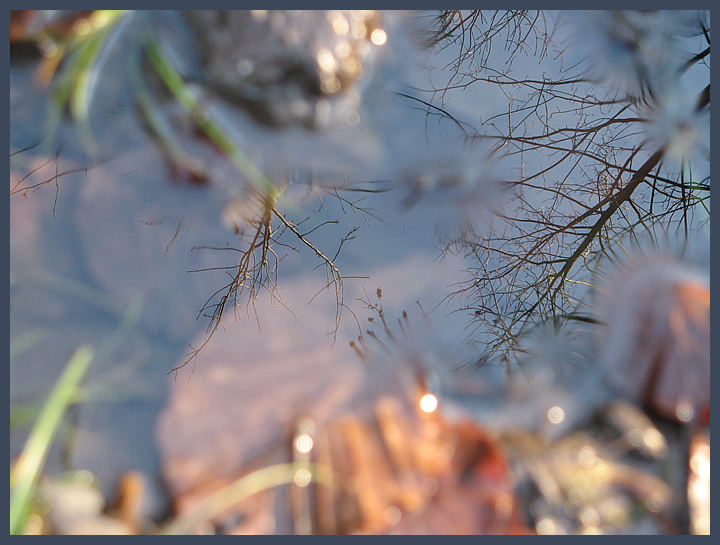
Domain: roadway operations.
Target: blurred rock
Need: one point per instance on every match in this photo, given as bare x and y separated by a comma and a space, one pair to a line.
286, 67
656, 338
242, 400
396, 466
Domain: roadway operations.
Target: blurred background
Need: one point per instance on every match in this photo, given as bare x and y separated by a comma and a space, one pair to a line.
359, 272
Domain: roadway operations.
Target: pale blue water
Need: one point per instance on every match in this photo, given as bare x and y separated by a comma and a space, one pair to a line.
107, 263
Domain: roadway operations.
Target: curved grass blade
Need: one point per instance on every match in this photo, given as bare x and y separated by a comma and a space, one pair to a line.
241, 489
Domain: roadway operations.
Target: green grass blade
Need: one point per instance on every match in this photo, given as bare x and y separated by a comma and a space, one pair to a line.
175, 84
32, 458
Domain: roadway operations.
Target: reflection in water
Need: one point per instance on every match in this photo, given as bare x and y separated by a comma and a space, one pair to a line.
217, 193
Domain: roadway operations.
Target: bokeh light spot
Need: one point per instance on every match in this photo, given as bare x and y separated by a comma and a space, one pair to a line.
428, 403
378, 36
556, 414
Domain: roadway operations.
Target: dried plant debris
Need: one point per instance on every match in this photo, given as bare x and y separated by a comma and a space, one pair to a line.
575, 485
699, 484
